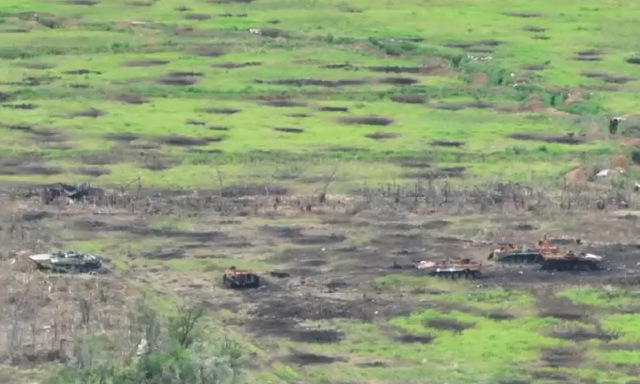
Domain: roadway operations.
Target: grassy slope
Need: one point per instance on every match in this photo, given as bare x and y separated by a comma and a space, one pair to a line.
330, 32
101, 37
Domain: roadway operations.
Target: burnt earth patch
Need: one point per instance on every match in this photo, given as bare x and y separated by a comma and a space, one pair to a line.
91, 112
561, 357
131, 98
197, 16
207, 51
586, 58
525, 15
144, 63
124, 137
447, 143
313, 82
182, 141
409, 99
398, 81
396, 69
312, 359
607, 77
288, 130
334, 109
442, 173
20, 106
534, 29
83, 2
561, 139
633, 60
140, 3
231, 65
381, 135
447, 324
366, 120
300, 115
318, 336
195, 122
30, 169
218, 128
178, 80
422, 339
94, 172
222, 111
579, 334
283, 103
40, 66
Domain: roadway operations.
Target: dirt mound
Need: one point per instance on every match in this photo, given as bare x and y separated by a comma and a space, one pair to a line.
581, 174
288, 130
144, 63
382, 135
618, 161
231, 65
366, 120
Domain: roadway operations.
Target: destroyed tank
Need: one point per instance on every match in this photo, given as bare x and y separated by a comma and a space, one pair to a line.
67, 261
451, 268
571, 261
238, 278
511, 254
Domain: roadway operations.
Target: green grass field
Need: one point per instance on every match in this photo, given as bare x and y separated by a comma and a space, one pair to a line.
369, 93
187, 85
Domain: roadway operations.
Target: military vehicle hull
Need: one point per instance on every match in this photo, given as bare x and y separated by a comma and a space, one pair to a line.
67, 262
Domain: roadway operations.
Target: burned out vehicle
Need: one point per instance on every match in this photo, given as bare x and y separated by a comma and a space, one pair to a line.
452, 268
524, 254
238, 278
571, 261
67, 262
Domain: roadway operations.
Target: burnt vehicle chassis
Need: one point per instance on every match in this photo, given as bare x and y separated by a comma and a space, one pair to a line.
237, 279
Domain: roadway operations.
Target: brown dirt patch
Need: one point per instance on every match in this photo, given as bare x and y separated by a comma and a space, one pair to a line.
479, 79
574, 97
178, 80
447, 143
398, 81
288, 130
83, 2
314, 82
208, 51
548, 138
131, 98
382, 135
409, 99
144, 63
334, 109
530, 28
618, 161
231, 65
526, 15
124, 137
581, 174
607, 77
283, 103
183, 141
197, 16
366, 120
222, 111
95, 172
91, 112
20, 106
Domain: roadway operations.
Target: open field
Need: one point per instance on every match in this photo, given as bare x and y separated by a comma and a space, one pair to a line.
327, 140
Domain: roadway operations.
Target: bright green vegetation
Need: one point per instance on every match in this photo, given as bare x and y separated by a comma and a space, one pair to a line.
41, 51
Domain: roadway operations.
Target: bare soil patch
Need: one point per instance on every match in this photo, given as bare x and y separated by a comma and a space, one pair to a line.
447, 143
607, 77
95, 172
20, 106
195, 122
254, 190
91, 112
530, 28
548, 138
131, 98
140, 3
232, 65
398, 81
457, 106
334, 109
526, 15
580, 334
197, 16
314, 82
557, 357
441, 173
382, 135
82, 72
398, 69
222, 111
300, 115
183, 141
144, 63
302, 359
409, 99
288, 130
178, 80
218, 128
39, 65
83, 2
534, 67
124, 137
633, 60
447, 324
208, 51
283, 103
317, 336
233, 15
422, 339
30, 169
366, 120
141, 230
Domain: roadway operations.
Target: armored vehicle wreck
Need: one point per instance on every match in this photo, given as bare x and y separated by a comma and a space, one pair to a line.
67, 261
